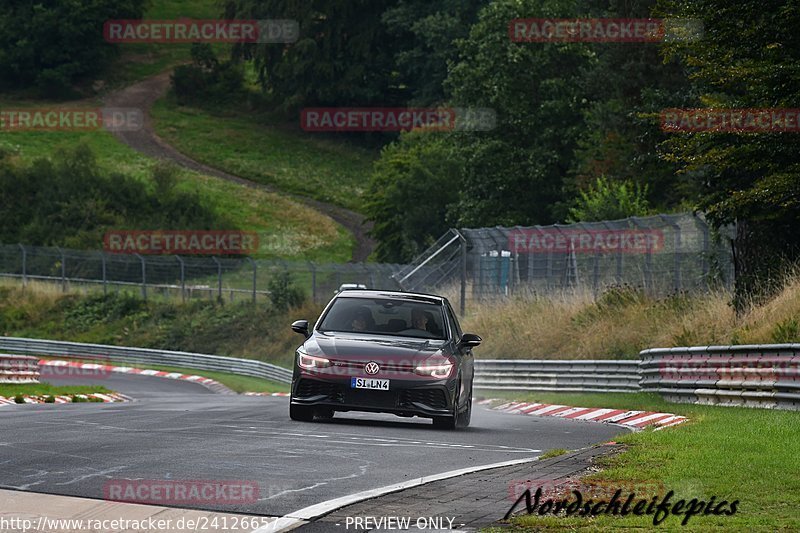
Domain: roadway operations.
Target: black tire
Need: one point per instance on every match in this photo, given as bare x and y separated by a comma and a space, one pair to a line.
463, 419
301, 413
458, 420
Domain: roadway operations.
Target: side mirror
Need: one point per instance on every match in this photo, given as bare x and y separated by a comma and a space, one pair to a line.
301, 326
468, 340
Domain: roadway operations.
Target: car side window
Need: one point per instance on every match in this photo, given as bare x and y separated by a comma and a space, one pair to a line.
451, 318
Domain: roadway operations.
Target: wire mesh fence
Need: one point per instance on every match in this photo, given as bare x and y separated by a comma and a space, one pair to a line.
659, 254
181, 276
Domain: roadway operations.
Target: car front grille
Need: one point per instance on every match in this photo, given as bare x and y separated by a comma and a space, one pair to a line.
433, 398
310, 388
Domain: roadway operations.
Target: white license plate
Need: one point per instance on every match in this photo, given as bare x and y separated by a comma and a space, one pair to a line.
369, 383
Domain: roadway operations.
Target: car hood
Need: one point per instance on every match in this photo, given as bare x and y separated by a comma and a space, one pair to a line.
354, 348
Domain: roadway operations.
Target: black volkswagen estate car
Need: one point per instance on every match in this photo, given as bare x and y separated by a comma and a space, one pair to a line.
388, 352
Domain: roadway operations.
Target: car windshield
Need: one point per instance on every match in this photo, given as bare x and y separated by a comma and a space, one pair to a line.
383, 316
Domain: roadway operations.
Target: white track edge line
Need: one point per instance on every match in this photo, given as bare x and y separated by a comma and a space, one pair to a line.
323, 508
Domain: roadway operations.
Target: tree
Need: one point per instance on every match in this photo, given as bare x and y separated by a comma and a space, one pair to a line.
412, 185
425, 35
514, 173
749, 58
344, 55
54, 44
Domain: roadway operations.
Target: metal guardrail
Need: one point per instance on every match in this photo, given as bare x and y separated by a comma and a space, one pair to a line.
765, 376
557, 375
762, 375
144, 356
18, 369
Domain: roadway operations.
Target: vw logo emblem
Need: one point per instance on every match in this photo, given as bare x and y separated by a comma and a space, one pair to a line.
371, 368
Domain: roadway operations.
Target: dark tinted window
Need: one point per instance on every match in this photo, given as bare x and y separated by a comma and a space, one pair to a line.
385, 317
451, 316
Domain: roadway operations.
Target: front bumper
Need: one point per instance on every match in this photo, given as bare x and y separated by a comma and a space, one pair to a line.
404, 397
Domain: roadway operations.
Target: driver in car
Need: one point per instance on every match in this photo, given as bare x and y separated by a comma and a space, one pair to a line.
419, 320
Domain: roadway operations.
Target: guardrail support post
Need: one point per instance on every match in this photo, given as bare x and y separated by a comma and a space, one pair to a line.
24, 265
144, 276
219, 278
183, 278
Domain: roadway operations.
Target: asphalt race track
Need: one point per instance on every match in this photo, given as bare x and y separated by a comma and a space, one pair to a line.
181, 431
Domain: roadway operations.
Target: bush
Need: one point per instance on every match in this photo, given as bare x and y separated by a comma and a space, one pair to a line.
207, 79
610, 200
19, 398
71, 201
49, 399
283, 294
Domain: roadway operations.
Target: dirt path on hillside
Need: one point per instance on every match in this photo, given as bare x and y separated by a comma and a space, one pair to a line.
144, 94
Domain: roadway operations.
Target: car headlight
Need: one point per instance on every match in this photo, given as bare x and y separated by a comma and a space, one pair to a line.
438, 371
311, 362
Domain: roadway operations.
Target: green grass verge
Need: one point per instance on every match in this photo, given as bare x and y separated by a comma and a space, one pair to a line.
45, 389
732, 453
249, 145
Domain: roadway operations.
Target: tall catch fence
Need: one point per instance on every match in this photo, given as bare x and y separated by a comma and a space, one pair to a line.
659, 254
184, 277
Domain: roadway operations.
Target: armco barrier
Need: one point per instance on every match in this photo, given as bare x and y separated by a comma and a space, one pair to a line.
19, 369
761, 375
557, 375
144, 356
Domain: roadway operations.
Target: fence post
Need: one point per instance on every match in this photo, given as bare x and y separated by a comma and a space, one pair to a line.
144, 276
219, 278
183, 278
255, 271
105, 277
63, 269
24, 265
463, 302
678, 284
314, 281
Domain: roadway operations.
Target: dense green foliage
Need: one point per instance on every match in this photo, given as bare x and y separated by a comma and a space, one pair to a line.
748, 58
51, 45
606, 200
70, 201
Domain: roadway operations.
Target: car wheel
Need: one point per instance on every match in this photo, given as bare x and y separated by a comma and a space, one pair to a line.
463, 419
301, 413
458, 419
